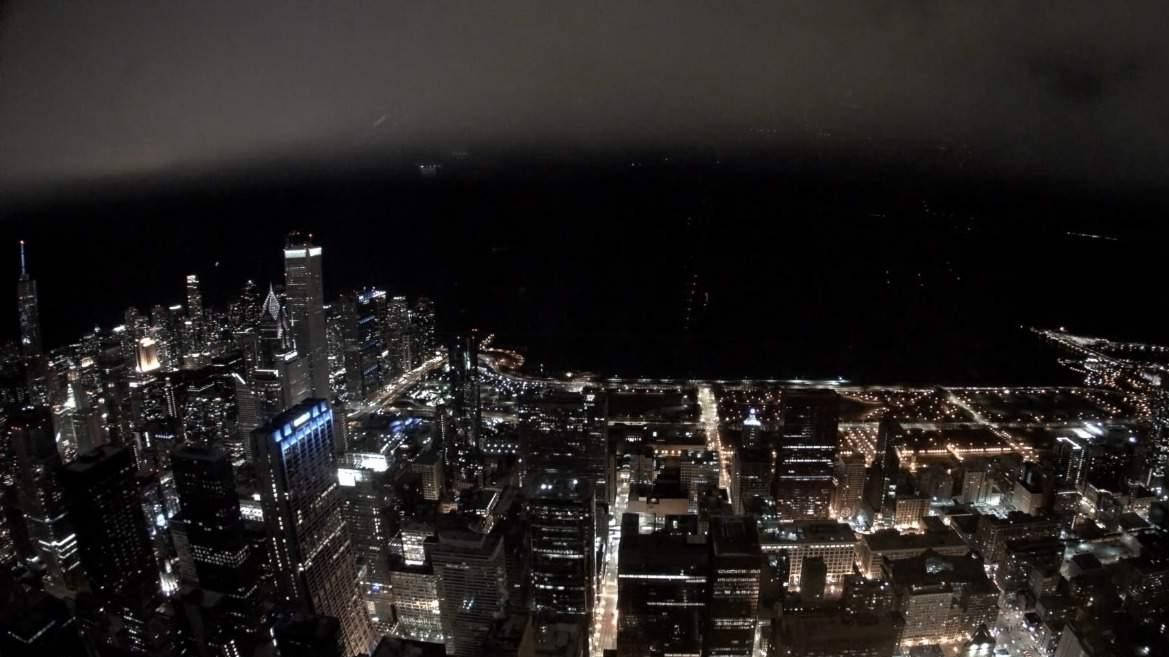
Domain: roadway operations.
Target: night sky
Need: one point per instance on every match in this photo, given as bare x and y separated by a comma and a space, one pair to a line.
883, 191
1068, 90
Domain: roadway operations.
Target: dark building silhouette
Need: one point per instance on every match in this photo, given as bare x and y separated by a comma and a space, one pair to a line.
733, 605
221, 551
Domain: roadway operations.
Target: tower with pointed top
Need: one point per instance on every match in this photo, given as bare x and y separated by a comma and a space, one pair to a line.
306, 304
276, 337
30, 318
281, 376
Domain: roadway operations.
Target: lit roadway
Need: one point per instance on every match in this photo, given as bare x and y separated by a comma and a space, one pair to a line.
1015, 637
709, 419
605, 606
1026, 451
395, 388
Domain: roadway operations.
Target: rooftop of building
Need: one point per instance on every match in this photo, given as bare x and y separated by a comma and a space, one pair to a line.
309, 629
296, 415
661, 552
931, 569
1015, 518
94, 458
394, 647
833, 625
734, 535
965, 524
891, 539
428, 458
198, 452
561, 487
810, 531
556, 639
463, 539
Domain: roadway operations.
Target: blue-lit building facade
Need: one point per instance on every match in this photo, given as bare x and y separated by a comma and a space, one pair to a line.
311, 551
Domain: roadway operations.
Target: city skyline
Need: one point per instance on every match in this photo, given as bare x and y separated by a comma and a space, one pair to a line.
528, 329
183, 477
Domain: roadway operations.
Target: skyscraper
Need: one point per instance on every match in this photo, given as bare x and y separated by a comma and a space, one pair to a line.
116, 552
195, 339
221, 551
661, 592
422, 327
807, 454
30, 318
849, 480
306, 303
106, 513
810, 419
472, 587
563, 533
281, 378
364, 480
751, 476
41, 496
735, 565
364, 342
398, 335
882, 486
311, 551
463, 357
194, 297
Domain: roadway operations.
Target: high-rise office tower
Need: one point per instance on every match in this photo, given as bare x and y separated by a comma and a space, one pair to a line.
472, 587
10, 528
752, 429
195, 339
281, 378
563, 535
310, 636
810, 419
362, 315
304, 290
752, 473
661, 592
417, 615
463, 357
106, 512
220, 549
36, 624
30, 318
194, 297
886, 473
565, 433
365, 483
41, 497
423, 329
806, 454
849, 480
115, 547
399, 335
735, 566
311, 552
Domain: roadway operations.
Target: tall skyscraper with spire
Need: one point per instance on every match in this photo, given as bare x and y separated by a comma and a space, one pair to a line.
30, 318
306, 304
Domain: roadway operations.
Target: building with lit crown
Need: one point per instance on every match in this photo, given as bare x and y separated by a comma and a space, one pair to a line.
311, 552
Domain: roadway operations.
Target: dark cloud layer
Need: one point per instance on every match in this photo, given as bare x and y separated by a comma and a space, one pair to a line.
1073, 90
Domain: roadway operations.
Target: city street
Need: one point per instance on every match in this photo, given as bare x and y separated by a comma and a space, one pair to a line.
708, 408
605, 608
